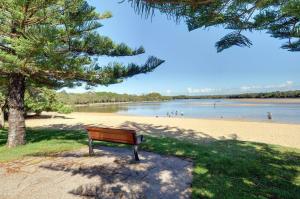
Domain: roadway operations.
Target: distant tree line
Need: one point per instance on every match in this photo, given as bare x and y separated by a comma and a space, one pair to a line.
276, 94
107, 97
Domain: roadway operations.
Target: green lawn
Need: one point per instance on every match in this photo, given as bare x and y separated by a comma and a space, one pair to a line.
222, 169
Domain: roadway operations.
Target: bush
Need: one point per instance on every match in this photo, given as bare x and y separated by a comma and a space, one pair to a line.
38, 100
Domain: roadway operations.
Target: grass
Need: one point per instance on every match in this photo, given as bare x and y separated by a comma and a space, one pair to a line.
222, 169
42, 141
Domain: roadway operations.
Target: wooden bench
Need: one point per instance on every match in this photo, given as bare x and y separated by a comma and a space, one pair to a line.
124, 136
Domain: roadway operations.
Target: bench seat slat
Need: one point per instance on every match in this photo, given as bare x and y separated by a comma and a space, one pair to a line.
124, 136
113, 137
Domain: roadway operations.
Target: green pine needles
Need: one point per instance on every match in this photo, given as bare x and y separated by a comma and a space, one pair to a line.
54, 43
279, 18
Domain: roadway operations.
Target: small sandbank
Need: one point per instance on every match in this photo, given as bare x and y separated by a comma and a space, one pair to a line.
197, 130
270, 100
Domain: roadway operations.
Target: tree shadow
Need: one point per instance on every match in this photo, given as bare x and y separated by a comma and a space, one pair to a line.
37, 135
47, 117
169, 131
226, 168
237, 169
148, 129
119, 177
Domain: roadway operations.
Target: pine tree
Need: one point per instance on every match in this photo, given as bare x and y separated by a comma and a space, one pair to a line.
53, 43
280, 18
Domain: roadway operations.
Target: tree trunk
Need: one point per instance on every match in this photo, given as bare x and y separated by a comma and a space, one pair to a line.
2, 120
16, 120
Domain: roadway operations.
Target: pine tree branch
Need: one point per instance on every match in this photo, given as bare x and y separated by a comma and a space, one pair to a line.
113, 73
7, 49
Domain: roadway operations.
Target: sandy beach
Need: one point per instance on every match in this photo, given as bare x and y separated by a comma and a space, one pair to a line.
197, 130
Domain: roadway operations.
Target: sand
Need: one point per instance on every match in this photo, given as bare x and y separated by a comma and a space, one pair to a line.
196, 130
270, 100
109, 174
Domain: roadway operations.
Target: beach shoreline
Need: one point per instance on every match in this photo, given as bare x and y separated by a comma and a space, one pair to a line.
194, 129
268, 100
250, 100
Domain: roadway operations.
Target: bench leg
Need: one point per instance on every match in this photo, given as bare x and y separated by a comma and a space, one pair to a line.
135, 153
91, 151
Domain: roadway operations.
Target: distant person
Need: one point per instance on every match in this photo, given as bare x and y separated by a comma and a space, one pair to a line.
176, 113
181, 114
215, 105
269, 115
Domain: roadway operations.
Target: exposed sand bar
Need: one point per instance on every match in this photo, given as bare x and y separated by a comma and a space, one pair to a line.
270, 100
198, 130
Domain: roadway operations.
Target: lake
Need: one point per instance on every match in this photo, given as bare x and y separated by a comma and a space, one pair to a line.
205, 108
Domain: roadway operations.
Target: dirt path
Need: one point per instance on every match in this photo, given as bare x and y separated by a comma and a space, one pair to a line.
108, 175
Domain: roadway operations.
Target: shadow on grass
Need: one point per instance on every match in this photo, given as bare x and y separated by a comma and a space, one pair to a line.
42, 141
115, 175
222, 169
235, 169
43, 134
47, 117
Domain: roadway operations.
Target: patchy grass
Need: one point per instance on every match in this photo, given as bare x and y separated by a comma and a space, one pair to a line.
235, 169
42, 141
222, 169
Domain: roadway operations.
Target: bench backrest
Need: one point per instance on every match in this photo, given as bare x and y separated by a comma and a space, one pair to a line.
125, 136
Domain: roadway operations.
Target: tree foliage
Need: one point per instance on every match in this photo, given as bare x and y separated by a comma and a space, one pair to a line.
53, 43
3, 91
280, 18
38, 100
276, 94
107, 97
2, 98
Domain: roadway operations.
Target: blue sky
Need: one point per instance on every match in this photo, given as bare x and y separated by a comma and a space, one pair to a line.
192, 64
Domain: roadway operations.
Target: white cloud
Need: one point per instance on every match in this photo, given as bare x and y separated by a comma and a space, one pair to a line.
247, 88
286, 84
168, 91
201, 90
289, 82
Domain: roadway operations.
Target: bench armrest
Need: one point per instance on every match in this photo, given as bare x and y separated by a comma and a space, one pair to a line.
139, 139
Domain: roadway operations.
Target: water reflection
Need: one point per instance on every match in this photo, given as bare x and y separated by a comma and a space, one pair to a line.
109, 108
205, 108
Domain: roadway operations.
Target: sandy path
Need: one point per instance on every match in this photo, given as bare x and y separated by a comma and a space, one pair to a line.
195, 129
109, 174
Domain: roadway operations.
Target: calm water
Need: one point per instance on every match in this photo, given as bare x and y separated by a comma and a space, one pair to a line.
204, 108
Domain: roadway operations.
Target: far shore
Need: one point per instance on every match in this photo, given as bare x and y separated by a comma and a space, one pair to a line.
249, 100
196, 130
269, 100
112, 103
